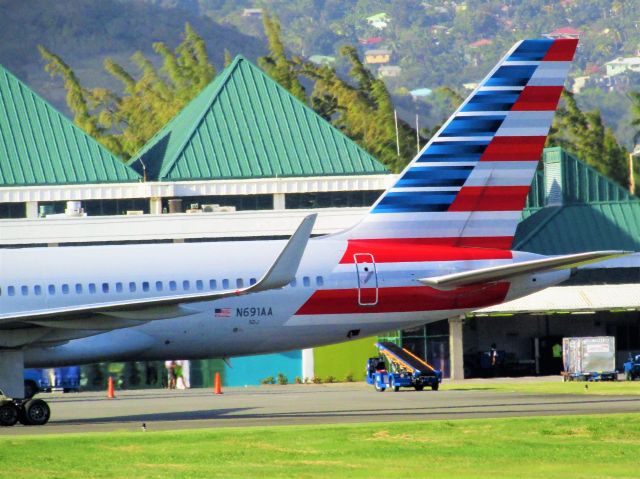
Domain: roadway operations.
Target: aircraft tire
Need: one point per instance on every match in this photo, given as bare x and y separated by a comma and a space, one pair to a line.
8, 414
36, 412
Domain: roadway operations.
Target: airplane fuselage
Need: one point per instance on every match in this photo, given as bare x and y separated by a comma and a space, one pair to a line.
343, 289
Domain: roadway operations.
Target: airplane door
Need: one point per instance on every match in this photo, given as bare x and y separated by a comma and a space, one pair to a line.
367, 279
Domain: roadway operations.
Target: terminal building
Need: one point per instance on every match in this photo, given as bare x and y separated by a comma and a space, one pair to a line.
245, 159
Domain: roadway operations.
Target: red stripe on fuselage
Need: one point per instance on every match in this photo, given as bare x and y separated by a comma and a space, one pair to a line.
429, 249
514, 148
490, 198
561, 50
404, 300
538, 98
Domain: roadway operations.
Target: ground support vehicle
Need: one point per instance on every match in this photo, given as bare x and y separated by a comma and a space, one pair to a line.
404, 370
632, 368
589, 359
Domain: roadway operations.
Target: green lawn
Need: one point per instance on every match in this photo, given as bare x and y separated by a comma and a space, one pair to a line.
546, 387
541, 447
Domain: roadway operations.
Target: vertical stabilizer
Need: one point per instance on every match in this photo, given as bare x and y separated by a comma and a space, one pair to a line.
469, 184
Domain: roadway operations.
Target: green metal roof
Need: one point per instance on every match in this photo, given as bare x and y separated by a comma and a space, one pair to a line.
245, 125
572, 208
40, 146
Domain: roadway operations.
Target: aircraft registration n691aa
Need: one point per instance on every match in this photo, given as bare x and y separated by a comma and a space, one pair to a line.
435, 245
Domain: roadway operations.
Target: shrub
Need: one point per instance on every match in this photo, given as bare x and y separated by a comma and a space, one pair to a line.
268, 380
282, 379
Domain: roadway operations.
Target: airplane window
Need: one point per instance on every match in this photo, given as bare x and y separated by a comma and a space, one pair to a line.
212, 284
252, 281
24, 290
319, 280
199, 285
51, 289
105, 287
185, 285
306, 281
145, 286
92, 288
78, 288
158, 285
11, 291
172, 285
239, 283
294, 283
132, 287
65, 289
225, 284
37, 289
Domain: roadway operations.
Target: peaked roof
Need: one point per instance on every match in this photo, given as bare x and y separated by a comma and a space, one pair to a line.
591, 211
245, 125
40, 146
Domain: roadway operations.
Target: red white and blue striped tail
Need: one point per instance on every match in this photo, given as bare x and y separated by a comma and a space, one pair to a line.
469, 184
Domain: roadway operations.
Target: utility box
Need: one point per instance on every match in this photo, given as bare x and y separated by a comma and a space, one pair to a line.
589, 358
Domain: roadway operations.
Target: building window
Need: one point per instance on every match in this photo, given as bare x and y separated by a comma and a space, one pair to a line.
331, 199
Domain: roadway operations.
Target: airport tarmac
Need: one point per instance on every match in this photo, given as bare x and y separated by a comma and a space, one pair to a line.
300, 404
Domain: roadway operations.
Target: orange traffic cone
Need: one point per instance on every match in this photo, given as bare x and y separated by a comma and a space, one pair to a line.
217, 388
110, 390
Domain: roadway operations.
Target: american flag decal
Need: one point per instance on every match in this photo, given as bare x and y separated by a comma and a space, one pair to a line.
222, 312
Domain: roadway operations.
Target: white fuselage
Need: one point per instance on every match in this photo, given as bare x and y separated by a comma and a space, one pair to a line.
331, 299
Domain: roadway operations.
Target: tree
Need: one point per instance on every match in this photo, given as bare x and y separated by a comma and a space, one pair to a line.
124, 122
276, 63
585, 135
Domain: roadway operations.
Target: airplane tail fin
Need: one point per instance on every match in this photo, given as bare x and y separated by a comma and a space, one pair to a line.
469, 184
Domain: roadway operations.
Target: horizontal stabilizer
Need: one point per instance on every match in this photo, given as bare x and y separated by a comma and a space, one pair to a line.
509, 271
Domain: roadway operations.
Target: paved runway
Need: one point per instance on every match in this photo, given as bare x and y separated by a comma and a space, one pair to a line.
300, 404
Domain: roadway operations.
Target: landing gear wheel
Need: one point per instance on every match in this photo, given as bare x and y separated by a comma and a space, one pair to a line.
8, 414
419, 387
435, 386
36, 413
380, 388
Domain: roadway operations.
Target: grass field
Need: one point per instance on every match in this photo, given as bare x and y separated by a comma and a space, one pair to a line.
542, 447
548, 387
